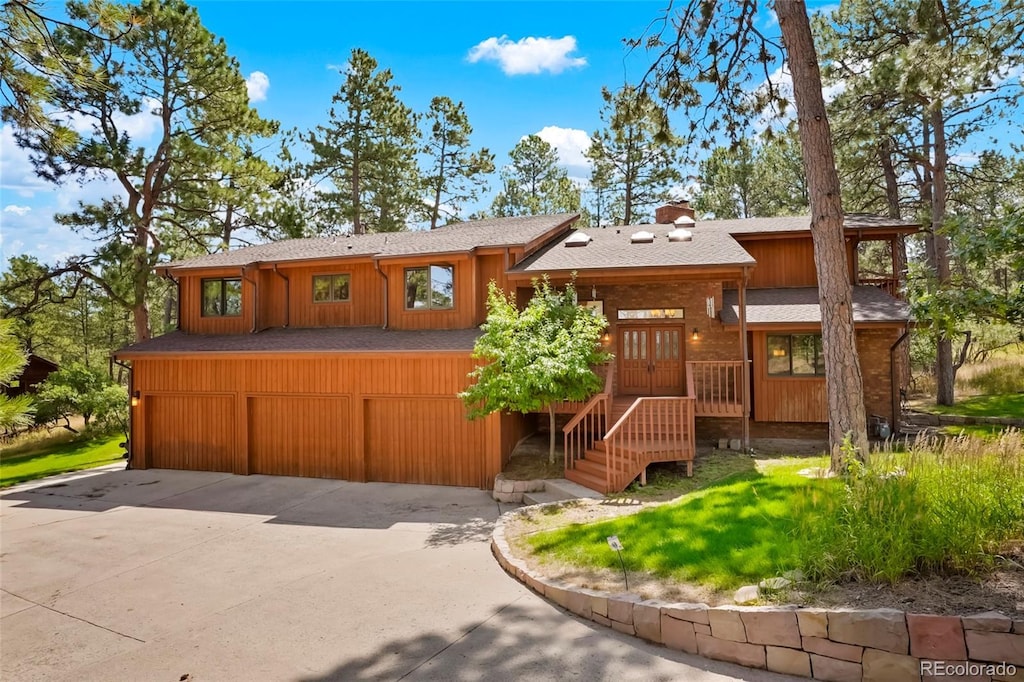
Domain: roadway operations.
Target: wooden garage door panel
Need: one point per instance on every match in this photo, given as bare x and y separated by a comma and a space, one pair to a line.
301, 436
194, 432
423, 440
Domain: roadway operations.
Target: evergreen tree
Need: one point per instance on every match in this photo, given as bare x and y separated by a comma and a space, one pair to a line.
638, 147
364, 158
455, 174
534, 184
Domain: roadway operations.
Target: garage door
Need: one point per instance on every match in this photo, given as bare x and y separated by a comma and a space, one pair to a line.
301, 436
423, 440
192, 432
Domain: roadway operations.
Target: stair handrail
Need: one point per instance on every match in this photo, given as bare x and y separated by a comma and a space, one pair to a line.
580, 432
623, 460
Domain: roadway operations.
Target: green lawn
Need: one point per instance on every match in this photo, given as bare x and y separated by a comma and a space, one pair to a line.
736, 531
47, 460
1003, 405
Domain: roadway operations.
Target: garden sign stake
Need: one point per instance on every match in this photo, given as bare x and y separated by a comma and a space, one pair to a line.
613, 542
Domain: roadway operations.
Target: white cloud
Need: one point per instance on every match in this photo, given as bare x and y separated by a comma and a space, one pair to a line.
782, 81
572, 145
257, 85
528, 55
18, 210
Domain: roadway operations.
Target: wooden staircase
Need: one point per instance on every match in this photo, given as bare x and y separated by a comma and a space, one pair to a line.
642, 431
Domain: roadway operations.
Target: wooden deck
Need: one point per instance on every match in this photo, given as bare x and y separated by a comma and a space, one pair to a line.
612, 439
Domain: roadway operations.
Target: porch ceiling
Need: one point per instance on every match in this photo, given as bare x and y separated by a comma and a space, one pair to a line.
799, 305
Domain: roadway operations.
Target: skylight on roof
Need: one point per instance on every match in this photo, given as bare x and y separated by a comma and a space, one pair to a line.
684, 220
578, 239
680, 235
641, 237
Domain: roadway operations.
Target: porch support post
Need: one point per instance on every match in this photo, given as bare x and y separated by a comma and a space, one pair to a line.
746, 362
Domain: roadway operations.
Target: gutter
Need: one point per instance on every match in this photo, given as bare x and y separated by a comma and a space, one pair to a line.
376, 266
287, 297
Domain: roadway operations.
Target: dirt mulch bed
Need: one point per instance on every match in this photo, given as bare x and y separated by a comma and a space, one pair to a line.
1001, 591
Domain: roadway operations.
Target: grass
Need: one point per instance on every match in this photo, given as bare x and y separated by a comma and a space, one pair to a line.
736, 530
985, 431
946, 506
1003, 405
667, 481
46, 458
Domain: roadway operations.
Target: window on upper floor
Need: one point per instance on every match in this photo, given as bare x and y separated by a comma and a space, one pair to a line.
222, 297
430, 288
331, 288
795, 355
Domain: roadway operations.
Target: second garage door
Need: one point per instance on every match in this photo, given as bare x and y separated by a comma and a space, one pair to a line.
301, 436
423, 440
195, 432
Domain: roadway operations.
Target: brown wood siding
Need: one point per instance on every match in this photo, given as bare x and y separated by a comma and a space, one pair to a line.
461, 316
301, 436
786, 399
423, 440
289, 415
488, 268
187, 431
364, 307
782, 262
272, 309
192, 320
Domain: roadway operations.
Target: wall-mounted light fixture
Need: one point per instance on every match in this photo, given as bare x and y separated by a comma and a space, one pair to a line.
606, 338
593, 292
136, 398
696, 335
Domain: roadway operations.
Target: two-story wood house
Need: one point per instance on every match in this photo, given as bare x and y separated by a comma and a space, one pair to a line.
341, 357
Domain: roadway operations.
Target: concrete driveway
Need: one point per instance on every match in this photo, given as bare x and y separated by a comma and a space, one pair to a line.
170, 575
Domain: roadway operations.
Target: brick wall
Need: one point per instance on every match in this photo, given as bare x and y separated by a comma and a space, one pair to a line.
873, 348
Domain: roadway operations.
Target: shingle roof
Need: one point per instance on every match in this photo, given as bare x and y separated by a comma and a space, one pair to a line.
852, 221
800, 305
459, 237
334, 339
611, 248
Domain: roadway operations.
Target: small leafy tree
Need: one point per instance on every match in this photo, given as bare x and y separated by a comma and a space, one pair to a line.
535, 357
15, 412
76, 389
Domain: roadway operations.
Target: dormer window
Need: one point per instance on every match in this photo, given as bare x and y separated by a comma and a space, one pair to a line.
430, 288
222, 297
331, 288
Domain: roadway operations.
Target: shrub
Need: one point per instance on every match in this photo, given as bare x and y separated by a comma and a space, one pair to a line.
941, 507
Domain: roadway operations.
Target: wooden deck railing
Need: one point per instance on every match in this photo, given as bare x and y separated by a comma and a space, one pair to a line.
589, 424
652, 430
889, 285
716, 386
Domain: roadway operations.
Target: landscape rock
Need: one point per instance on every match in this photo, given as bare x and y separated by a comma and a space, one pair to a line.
750, 655
727, 624
769, 585
772, 626
813, 622
826, 647
997, 647
695, 613
882, 666
678, 634
647, 620
990, 621
884, 629
788, 661
747, 594
833, 670
936, 637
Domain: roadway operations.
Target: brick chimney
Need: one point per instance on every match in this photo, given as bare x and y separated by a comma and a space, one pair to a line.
667, 214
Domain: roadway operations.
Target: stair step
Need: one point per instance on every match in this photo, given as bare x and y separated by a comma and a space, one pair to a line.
569, 490
597, 457
586, 480
591, 467
598, 445
543, 497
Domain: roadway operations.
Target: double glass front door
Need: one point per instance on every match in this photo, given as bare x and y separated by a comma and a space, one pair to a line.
651, 360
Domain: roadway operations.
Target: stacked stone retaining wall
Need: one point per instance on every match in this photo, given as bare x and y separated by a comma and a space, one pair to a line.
878, 645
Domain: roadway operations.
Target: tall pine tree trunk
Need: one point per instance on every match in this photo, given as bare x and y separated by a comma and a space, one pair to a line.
945, 373
843, 382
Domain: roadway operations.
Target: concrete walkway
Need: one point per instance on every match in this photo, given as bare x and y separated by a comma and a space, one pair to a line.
169, 575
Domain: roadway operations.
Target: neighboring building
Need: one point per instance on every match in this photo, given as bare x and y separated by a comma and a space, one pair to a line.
36, 370
341, 357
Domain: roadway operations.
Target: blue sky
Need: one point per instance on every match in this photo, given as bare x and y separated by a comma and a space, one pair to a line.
519, 67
